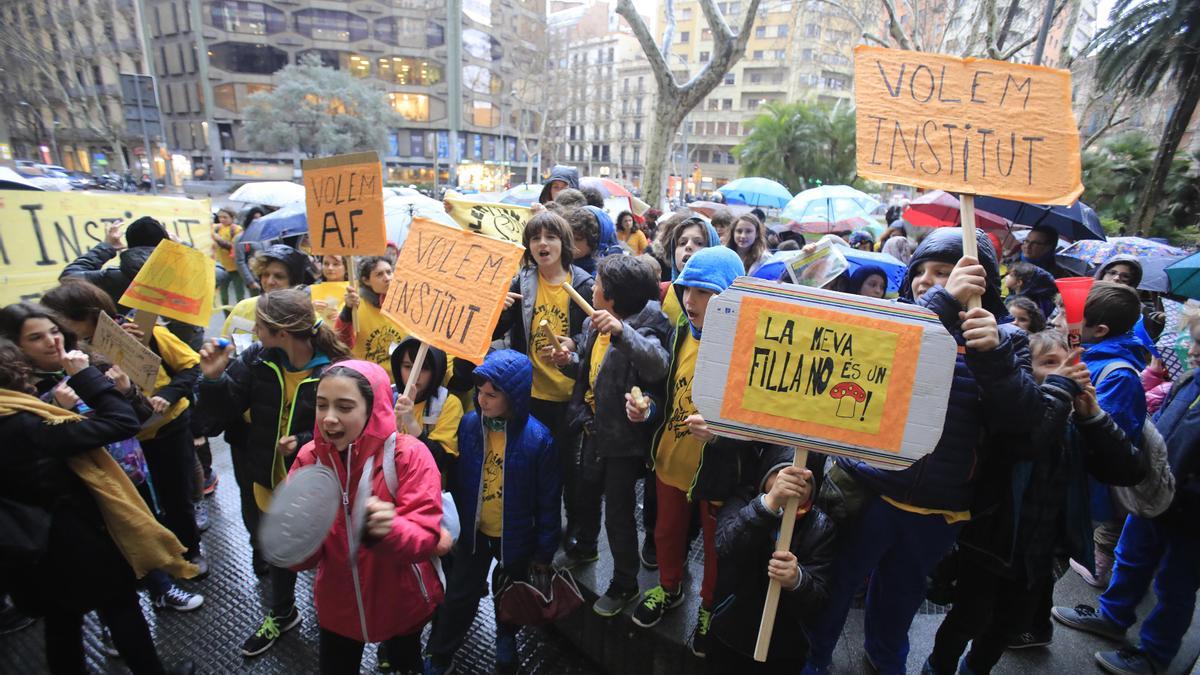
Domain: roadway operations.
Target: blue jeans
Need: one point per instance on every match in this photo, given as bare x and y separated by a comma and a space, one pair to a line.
1150, 549
898, 549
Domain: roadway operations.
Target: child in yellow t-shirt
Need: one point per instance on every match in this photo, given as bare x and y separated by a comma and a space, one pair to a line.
225, 233
432, 413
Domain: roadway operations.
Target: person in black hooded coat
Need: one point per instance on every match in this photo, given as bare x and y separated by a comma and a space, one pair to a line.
565, 176
911, 517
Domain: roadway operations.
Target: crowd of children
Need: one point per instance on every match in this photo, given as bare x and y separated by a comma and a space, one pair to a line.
531, 450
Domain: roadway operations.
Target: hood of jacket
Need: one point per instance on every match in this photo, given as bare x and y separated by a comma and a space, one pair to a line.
295, 261
512, 373
714, 239
567, 174
132, 260
1125, 259
1125, 347
436, 359
608, 233
381, 422
1042, 290
945, 245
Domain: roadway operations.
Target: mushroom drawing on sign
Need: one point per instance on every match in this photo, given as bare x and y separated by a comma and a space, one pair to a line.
848, 395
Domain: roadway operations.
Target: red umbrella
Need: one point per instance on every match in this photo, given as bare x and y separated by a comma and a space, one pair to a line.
940, 209
607, 186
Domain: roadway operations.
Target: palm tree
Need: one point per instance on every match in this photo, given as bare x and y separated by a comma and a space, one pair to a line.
800, 145
1150, 42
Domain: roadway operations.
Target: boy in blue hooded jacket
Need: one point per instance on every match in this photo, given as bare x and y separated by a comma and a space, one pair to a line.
508, 493
912, 517
1115, 357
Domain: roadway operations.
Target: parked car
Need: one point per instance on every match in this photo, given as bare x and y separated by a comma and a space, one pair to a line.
81, 180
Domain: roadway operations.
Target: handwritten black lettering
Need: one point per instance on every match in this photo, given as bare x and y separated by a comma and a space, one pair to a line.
37, 231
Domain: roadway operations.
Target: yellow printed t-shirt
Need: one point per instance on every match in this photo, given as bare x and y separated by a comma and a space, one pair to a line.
375, 337
241, 317
491, 502
291, 382
553, 305
178, 356
671, 306
678, 453
599, 351
445, 429
223, 256
636, 240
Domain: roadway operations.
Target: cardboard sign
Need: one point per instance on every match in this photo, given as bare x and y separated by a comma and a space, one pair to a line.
492, 219
45, 231
328, 298
344, 199
136, 359
830, 372
450, 286
972, 126
176, 282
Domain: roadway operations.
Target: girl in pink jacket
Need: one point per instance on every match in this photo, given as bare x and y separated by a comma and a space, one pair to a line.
388, 592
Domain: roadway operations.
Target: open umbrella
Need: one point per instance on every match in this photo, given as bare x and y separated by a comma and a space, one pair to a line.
521, 195
938, 208
288, 221
1075, 222
829, 208
1095, 252
755, 191
1154, 274
11, 180
607, 186
707, 208
1184, 276
775, 267
277, 193
398, 214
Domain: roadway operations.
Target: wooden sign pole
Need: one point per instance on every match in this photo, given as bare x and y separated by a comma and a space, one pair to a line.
352, 277
418, 361
782, 543
583, 304
145, 321
966, 206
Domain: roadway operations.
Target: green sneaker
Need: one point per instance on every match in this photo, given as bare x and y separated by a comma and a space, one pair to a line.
655, 603
270, 631
700, 633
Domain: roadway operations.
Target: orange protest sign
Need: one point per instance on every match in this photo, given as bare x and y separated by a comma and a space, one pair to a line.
344, 200
450, 286
973, 126
177, 282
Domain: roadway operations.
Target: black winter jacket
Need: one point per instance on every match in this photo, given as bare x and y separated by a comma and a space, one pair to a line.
254, 381
638, 357
1032, 497
82, 568
745, 539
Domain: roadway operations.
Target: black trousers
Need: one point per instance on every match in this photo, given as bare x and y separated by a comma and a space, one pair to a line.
988, 610
130, 635
553, 414
465, 587
172, 462
616, 484
241, 475
342, 655
722, 659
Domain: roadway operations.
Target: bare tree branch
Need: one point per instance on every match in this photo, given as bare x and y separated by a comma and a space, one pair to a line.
1111, 120
870, 37
669, 30
1018, 47
894, 28
1009, 15
658, 62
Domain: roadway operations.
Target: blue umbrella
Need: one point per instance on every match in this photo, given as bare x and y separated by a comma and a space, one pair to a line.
755, 192
775, 267
1185, 276
289, 221
1075, 222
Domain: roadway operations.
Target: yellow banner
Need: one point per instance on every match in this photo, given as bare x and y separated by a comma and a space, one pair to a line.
492, 219
42, 232
177, 282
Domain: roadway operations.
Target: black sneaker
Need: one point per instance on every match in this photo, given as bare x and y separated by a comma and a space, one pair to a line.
614, 601
1089, 619
579, 555
12, 619
655, 603
178, 599
1029, 639
1129, 661
270, 631
649, 554
700, 633
381, 657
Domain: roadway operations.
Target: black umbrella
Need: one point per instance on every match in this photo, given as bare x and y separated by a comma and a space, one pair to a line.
1074, 222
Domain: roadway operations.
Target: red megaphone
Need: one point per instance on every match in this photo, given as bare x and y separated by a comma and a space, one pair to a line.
1074, 291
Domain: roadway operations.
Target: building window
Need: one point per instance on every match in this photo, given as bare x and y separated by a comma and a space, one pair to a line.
241, 57
481, 79
726, 104
249, 18
637, 136
704, 56
356, 65
812, 30
684, 36
714, 104
482, 46
413, 107
404, 31
484, 114
331, 24
760, 32
781, 30
758, 55
729, 78
637, 155
409, 71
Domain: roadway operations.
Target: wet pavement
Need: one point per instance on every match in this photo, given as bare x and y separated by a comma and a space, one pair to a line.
212, 635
